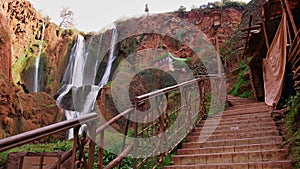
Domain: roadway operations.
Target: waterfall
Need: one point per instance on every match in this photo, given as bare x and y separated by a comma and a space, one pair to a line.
73, 75
111, 58
79, 78
37, 62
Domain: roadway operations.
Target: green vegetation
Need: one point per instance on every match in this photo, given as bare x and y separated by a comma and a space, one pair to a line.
236, 90
292, 138
20, 65
48, 147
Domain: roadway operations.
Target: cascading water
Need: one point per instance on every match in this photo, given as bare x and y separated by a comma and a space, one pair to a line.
84, 92
37, 62
111, 58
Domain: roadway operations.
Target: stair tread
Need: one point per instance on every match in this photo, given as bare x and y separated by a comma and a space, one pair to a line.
262, 151
282, 164
239, 148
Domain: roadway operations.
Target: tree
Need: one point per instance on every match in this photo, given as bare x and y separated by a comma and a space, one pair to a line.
67, 16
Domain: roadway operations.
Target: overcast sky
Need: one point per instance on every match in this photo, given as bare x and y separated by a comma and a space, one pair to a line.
93, 15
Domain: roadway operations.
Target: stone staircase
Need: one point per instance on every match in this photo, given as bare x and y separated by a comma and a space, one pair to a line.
245, 137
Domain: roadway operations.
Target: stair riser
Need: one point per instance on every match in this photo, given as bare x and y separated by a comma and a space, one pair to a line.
236, 123
254, 165
230, 157
234, 136
236, 127
197, 133
250, 113
229, 120
222, 143
228, 149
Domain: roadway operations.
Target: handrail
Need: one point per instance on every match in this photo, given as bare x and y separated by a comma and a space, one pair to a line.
168, 89
26, 137
113, 120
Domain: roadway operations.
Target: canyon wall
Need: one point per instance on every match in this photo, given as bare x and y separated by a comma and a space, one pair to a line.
21, 29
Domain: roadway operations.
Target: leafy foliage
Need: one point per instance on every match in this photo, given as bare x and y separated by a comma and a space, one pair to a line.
293, 135
241, 70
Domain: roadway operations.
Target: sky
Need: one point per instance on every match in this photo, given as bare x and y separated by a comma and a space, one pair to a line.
93, 15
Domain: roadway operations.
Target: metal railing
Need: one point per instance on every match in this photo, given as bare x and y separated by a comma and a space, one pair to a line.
76, 158
158, 122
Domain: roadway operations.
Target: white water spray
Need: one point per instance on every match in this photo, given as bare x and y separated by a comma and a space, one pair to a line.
83, 97
37, 62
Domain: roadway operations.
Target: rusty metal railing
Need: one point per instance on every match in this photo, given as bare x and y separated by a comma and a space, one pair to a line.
158, 122
76, 158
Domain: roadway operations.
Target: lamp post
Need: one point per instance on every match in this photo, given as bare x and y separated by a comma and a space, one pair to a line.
216, 17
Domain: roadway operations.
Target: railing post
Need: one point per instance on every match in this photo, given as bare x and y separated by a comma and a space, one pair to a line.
75, 144
135, 146
101, 134
92, 131
100, 149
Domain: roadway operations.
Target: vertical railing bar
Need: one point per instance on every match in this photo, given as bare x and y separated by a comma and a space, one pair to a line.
147, 151
75, 144
92, 131
81, 153
101, 149
59, 162
124, 138
101, 133
135, 137
41, 161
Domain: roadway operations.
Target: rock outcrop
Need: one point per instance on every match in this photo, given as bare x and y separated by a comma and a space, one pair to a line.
25, 26
20, 36
5, 48
20, 112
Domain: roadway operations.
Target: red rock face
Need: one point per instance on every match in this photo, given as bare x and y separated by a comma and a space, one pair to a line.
20, 25
230, 19
5, 48
19, 30
20, 112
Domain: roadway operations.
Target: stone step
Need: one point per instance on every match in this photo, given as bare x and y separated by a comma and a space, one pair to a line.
257, 104
238, 118
244, 121
233, 130
195, 138
223, 116
234, 157
252, 126
283, 164
240, 112
241, 148
242, 137
234, 142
